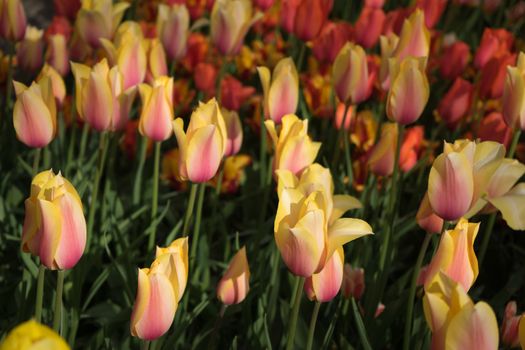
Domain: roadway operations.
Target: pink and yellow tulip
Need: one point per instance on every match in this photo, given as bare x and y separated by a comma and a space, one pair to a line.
235, 283
57, 54
156, 58
350, 74
414, 39
173, 24
54, 225
13, 20
173, 262
234, 132
324, 285
57, 83
157, 109
30, 50
514, 95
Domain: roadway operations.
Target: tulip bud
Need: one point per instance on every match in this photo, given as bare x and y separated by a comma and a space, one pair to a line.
157, 110
12, 20
456, 102
414, 39
350, 74
205, 76
281, 90
57, 54
388, 45
34, 113
368, 26
173, 24
30, 50
324, 285
156, 58
172, 261
310, 17
155, 305
433, 9
494, 128
330, 41
353, 282
494, 42
493, 74
288, 11
33, 335
454, 60
202, 146
54, 225
510, 326
427, 219
382, 158
235, 283
233, 93
234, 132
57, 83
514, 95
294, 150
409, 90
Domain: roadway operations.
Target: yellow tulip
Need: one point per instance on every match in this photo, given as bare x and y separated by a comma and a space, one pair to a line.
32, 335
381, 160
176, 267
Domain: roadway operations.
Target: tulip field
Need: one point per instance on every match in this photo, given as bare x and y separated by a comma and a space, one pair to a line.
262, 174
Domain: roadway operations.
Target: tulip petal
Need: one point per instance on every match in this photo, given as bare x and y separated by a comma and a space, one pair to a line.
346, 230
234, 285
33, 122
204, 154
327, 282
342, 204
50, 232
512, 206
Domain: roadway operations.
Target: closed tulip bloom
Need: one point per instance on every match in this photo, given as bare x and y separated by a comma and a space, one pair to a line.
325, 285
234, 132
388, 45
57, 54
230, 21
454, 60
294, 149
381, 161
234, 93
202, 146
494, 42
157, 109
427, 219
281, 89
263, 4
414, 39
13, 20
493, 127
205, 76
288, 11
172, 261
235, 283
353, 282
456, 102
350, 74
455, 255
102, 100
173, 25
368, 26
332, 38
492, 80
54, 225
155, 305
98, 19
409, 90
433, 9
514, 95
29, 52
32, 335
456, 322
57, 83
310, 17
510, 326
34, 113
156, 58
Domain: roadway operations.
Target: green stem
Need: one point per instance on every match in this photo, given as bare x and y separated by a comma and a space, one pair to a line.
189, 209
486, 238
58, 301
36, 161
220, 76
218, 188
292, 324
514, 144
137, 184
360, 327
412, 292
144, 345
155, 196
196, 228
262, 153
340, 136
83, 142
102, 152
39, 293
300, 59
311, 329
213, 339
9, 81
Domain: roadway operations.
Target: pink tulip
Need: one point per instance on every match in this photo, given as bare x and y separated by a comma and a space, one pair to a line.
456, 102
510, 326
330, 41
369, 26
494, 42
234, 131
433, 9
324, 285
235, 284
454, 60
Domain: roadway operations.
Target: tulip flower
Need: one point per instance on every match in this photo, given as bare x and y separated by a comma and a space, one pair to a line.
427, 219
310, 17
409, 90
156, 60
98, 19
30, 50
155, 305
202, 146
350, 74
454, 60
382, 158
34, 113
294, 150
57, 83
235, 284
12, 20
455, 255
233, 131
510, 326
414, 39
173, 262
54, 225
57, 54
325, 285
281, 90
492, 80
368, 26
100, 96
456, 322
353, 282
173, 24
432, 9
288, 11
32, 335
492, 127
263, 4
233, 175
66, 8
514, 95
511, 204
494, 42
157, 111
330, 41
230, 21
205, 76
234, 93
456, 102
388, 45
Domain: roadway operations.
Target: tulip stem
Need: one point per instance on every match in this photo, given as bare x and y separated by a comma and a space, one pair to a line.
412, 292
514, 144
486, 238
360, 326
58, 301
137, 184
83, 142
155, 196
39, 293
196, 228
36, 161
103, 150
189, 209
9, 81
144, 345
311, 329
262, 153
292, 324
